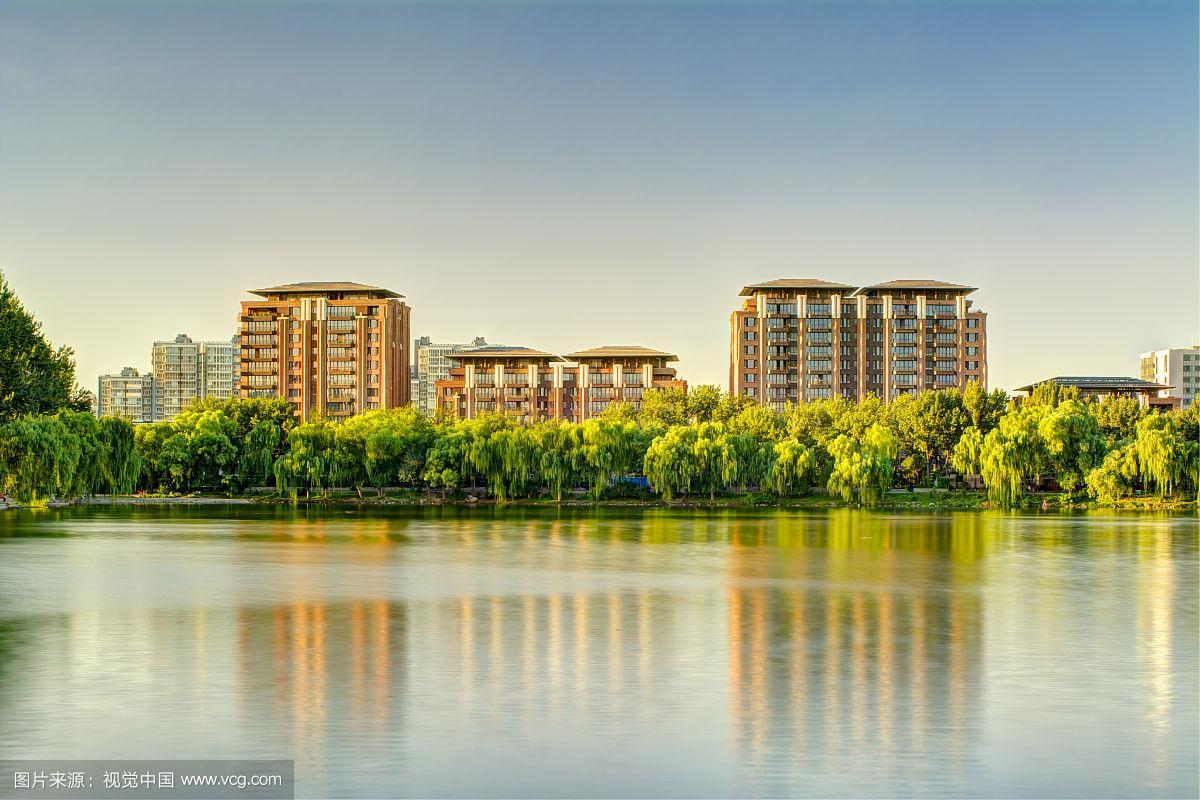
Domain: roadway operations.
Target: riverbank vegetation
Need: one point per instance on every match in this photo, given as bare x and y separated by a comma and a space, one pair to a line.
706, 446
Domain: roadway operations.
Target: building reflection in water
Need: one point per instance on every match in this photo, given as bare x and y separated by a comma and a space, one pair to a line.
825, 645
841, 657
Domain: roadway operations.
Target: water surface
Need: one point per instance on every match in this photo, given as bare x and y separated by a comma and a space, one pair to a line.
449, 652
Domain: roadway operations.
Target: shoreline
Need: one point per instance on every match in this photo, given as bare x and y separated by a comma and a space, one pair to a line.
926, 500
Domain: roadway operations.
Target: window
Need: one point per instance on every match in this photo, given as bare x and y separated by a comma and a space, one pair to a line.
751, 336
972, 322
749, 377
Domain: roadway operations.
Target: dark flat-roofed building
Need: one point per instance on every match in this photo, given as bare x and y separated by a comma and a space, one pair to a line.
1103, 387
330, 347
799, 339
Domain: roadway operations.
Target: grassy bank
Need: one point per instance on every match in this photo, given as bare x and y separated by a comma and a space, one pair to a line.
927, 500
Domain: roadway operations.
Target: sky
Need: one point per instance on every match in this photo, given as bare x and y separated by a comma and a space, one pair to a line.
567, 175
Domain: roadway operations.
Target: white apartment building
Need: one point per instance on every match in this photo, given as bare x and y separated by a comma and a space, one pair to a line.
1177, 367
129, 395
185, 370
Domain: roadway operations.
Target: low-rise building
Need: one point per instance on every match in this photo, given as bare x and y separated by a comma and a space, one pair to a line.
532, 385
1103, 387
1177, 367
618, 374
128, 394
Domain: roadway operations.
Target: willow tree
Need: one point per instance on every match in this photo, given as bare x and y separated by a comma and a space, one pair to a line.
1165, 459
712, 463
863, 468
150, 441
39, 457
1012, 452
122, 461
560, 455
88, 475
447, 462
670, 463
967, 455
790, 467
261, 448
609, 449
505, 458
309, 459
1073, 442
744, 460
1113, 478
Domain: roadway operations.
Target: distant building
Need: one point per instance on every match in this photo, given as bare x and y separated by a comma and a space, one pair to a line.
1177, 367
219, 368
799, 339
1102, 387
185, 370
430, 365
329, 348
531, 385
129, 395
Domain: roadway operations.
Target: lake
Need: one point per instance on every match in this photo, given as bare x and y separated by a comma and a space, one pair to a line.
611, 652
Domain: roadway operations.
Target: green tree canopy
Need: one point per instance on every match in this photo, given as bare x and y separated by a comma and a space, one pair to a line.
35, 377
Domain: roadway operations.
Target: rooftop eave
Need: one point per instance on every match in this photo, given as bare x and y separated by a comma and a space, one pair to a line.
323, 287
794, 284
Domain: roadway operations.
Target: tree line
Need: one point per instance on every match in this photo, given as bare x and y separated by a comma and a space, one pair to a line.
702, 443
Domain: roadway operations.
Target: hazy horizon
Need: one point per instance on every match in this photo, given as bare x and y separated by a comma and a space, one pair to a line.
564, 176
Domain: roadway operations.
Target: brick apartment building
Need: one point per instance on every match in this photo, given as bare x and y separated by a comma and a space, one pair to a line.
798, 339
532, 385
336, 349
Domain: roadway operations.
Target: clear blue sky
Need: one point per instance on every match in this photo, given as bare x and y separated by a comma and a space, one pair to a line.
565, 175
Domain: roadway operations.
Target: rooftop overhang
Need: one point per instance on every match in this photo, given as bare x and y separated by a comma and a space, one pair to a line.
324, 287
913, 285
1100, 385
793, 284
617, 352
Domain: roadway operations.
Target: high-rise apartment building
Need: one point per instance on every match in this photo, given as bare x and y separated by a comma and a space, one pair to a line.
431, 363
532, 385
176, 369
799, 339
331, 348
129, 395
219, 368
1177, 368
185, 370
